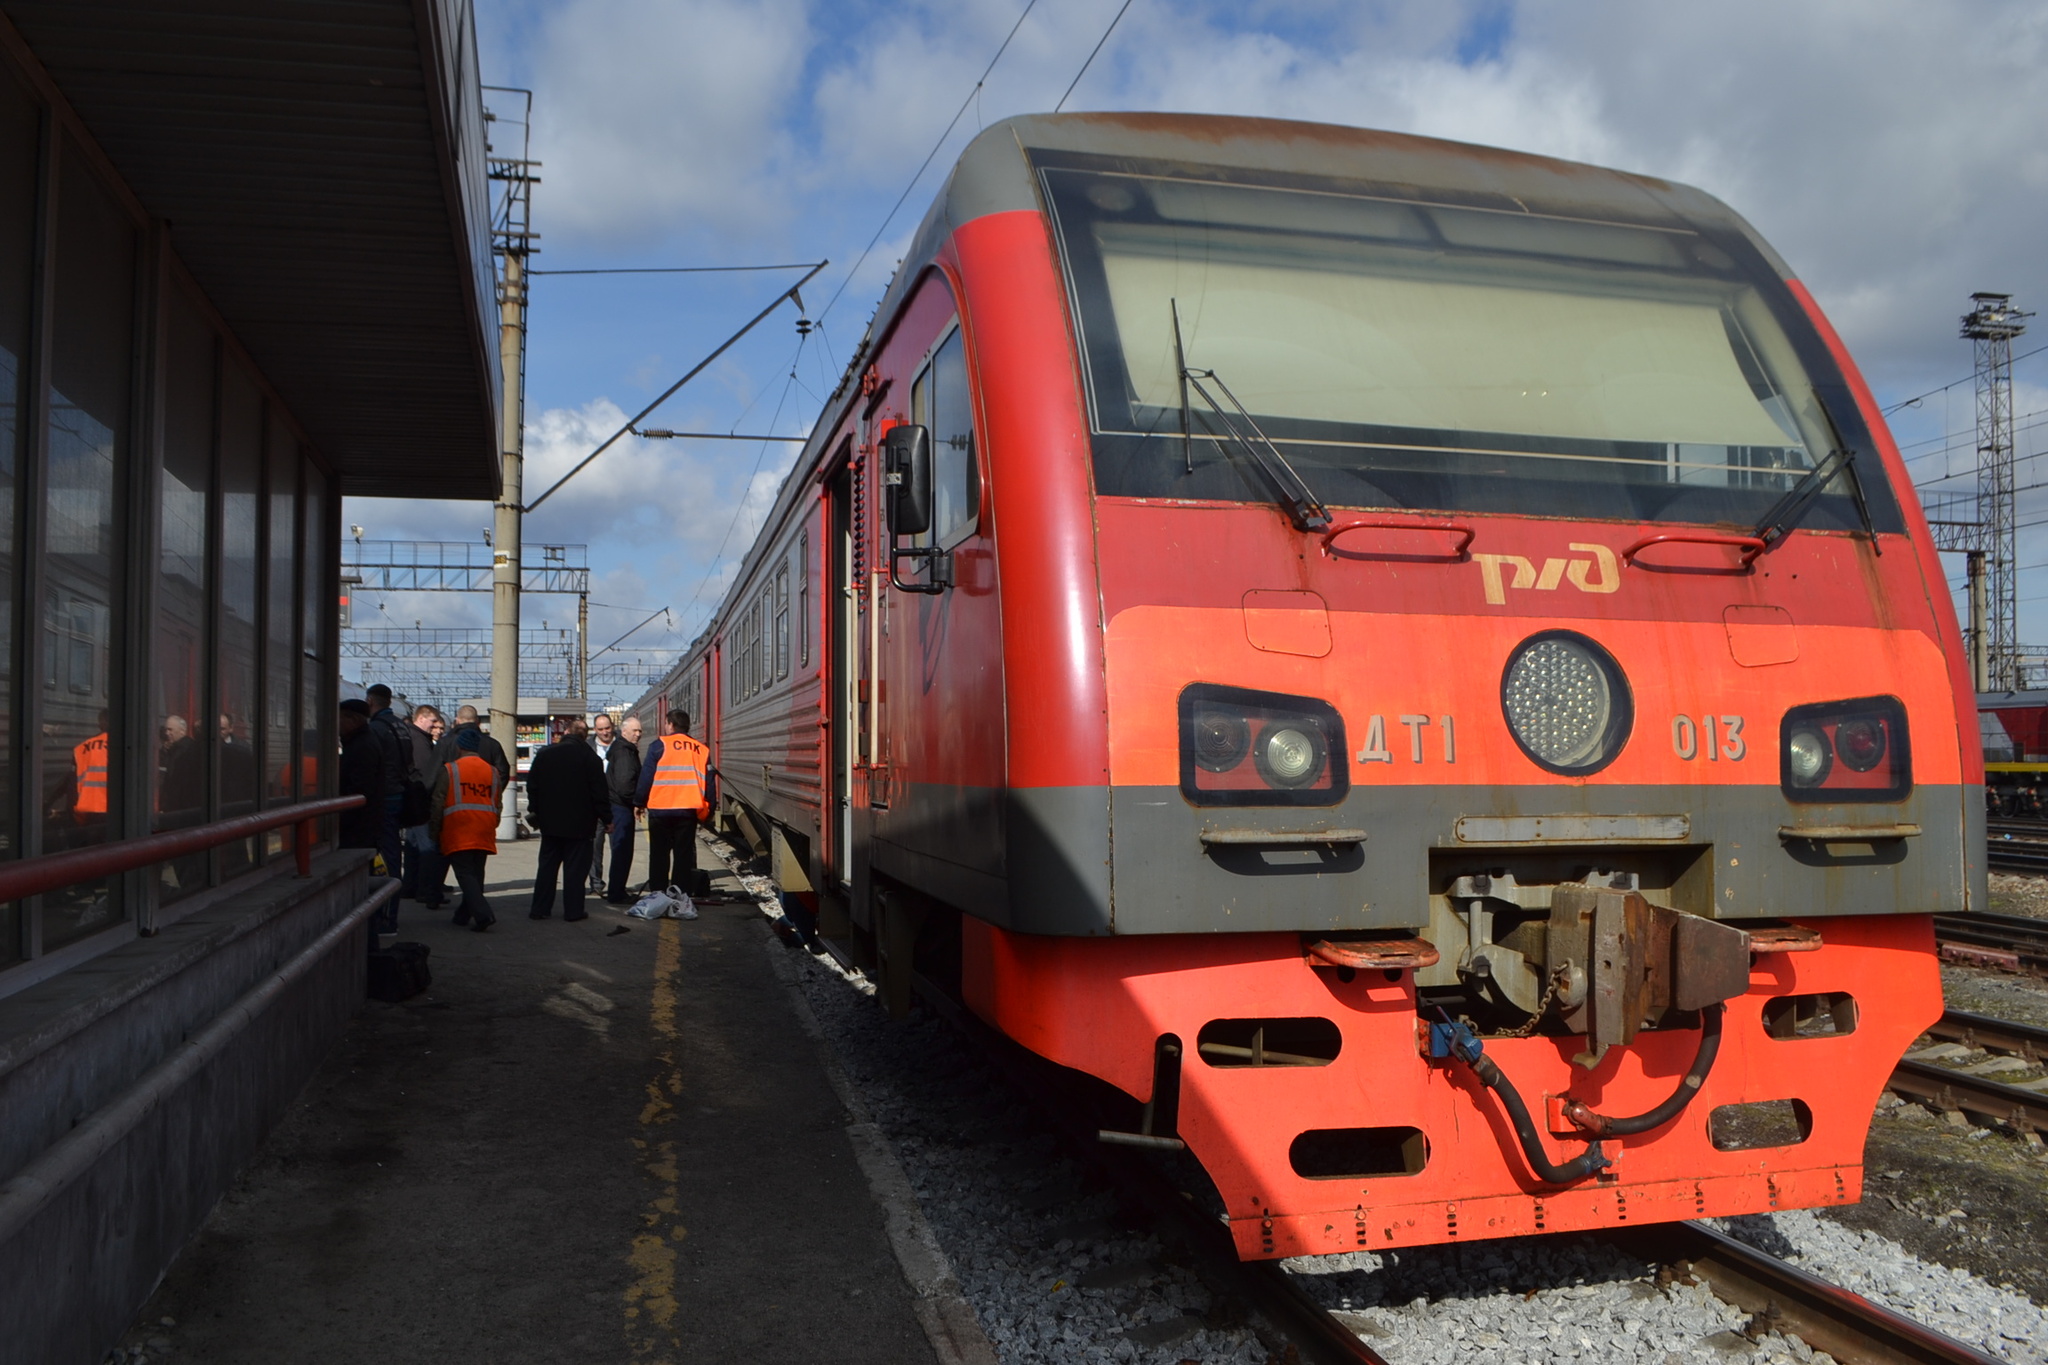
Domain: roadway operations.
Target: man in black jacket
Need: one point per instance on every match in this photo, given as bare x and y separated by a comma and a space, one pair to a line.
622, 775
566, 800
362, 774
487, 749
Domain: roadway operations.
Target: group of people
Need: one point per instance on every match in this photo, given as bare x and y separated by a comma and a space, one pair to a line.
436, 795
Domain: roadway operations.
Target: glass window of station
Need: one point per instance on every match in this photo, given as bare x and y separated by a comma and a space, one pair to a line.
167, 612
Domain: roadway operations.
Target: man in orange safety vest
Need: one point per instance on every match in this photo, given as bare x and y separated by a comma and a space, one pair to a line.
462, 816
89, 777
675, 790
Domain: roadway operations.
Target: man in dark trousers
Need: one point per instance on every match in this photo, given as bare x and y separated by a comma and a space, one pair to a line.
388, 729
567, 801
675, 787
622, 775
462, 816
603, 734
362, 774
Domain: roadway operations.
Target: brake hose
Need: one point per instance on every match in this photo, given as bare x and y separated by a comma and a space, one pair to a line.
1457, 1040
1582, 1116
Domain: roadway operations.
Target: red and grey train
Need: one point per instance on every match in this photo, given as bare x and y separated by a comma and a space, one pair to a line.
1418, 665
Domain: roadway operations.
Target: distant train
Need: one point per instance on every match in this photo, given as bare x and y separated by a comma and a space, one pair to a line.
2014, 730
1417, 665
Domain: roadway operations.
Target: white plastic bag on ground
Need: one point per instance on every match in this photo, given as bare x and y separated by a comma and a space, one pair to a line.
673, 903
653, 905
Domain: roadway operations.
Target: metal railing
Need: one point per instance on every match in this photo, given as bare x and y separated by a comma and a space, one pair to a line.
27, 877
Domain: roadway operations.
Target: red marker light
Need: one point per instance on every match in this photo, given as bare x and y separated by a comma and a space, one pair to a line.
1860, 743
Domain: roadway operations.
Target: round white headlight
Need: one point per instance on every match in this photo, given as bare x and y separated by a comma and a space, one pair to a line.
1807, 757
1291, 756
1566, 703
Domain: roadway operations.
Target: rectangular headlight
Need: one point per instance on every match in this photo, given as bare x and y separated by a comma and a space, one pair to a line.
1840, 751
1244, 748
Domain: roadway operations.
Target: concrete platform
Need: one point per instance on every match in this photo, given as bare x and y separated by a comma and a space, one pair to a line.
581, 1145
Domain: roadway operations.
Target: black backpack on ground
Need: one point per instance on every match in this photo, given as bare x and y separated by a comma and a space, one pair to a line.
399, 972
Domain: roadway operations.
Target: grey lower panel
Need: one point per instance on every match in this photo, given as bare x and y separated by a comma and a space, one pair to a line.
1059, 860
1974, 834
1731, 863
957, 823
1048, 873
964, 888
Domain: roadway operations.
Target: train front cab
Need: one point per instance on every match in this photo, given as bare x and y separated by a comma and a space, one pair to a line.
1483, 662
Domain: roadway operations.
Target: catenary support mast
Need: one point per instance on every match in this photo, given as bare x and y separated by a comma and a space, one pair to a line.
512, 236
1991, 324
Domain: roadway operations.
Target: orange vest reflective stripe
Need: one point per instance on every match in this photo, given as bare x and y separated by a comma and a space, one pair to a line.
679, 776
90, 759
469, 820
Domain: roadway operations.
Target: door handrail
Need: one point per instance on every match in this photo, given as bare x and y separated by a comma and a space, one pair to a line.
27, 877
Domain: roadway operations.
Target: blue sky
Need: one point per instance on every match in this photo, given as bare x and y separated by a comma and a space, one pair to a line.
1887, 149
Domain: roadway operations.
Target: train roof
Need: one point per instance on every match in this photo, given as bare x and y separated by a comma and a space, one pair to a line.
2011, 701
995, 174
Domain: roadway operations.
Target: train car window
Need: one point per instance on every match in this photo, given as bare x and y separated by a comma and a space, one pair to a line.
782, 620
940, 399
803, 600
1411, 355
956, 483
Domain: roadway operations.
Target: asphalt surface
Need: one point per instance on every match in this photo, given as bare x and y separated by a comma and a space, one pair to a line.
578, 1145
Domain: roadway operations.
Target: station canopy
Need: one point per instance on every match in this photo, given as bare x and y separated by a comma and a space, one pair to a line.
322, 168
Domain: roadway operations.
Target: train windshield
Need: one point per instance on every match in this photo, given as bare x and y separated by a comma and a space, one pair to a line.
1409, 355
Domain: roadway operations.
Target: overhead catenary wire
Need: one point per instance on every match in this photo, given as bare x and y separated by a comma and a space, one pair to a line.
666, 394
683, 269
925, 165
1091, 56
1904, 403
740, 504
658, 611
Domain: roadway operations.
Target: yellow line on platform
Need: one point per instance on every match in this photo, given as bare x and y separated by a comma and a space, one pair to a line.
650, 1300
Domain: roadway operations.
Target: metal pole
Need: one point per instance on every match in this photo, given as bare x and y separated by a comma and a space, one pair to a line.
505, 566
583, 648
1980, 655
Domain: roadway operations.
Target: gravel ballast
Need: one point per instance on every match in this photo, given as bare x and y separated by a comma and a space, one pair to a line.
1058, 1271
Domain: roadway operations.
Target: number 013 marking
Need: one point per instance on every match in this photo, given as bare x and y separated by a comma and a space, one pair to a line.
1718, 736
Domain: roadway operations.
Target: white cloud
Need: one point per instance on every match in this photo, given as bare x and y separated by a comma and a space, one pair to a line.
655, 118
1886, 148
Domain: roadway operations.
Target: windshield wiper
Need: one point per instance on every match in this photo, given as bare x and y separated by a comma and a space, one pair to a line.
1786, 511
1290, 490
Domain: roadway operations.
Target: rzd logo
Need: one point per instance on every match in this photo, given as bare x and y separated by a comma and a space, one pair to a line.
1598, 574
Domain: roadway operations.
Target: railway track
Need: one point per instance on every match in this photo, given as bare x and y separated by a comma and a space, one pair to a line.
2017, 845
1780, 1297
2013, 943
1948, 1089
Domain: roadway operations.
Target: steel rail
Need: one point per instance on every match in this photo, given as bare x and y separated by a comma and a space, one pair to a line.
2009, 942
1994, 1035
1781, 1296
2012, 857
1950, 1090
1317, 1335
1790, 1300
25, 877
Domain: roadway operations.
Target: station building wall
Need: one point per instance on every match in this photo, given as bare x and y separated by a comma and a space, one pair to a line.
168, 539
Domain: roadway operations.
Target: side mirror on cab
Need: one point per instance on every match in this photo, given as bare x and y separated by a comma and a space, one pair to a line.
907, 479
907, 505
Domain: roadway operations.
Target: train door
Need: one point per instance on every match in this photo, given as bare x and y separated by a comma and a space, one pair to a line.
842, 633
